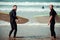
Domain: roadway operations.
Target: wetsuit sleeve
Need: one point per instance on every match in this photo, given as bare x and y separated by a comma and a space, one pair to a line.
51, 13
11, 15
16, 17
14, 14
55, 13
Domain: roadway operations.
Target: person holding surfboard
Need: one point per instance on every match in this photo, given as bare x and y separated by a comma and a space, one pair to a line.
13, 20
52, 22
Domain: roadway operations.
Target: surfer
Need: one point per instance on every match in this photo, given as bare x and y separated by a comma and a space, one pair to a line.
42, 7
52, 22
13, 20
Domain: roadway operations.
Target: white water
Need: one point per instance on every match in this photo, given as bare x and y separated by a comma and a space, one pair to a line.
29, 3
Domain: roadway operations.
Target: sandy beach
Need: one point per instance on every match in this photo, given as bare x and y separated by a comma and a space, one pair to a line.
29, 32
28, 39
33, 16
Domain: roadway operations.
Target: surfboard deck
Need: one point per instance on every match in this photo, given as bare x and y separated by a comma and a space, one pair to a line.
45, 19
6, 17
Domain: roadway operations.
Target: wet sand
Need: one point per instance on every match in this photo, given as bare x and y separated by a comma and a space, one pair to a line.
4, 30
28, 39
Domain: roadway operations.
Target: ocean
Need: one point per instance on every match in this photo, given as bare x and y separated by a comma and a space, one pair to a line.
29, 9
30, 0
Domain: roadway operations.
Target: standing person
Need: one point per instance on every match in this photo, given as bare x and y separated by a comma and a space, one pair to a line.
13, 20
52, 22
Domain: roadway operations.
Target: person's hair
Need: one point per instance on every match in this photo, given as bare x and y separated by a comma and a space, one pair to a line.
14, 5
52, 5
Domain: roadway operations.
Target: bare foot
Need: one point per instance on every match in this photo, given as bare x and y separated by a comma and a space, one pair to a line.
10, 38
52, 38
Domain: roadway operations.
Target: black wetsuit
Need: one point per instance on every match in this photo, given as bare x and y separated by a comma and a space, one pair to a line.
13, 22
52, 23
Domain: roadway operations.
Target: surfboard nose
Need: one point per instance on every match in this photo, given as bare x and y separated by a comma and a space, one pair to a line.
22, 20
